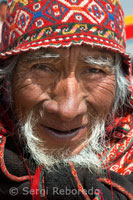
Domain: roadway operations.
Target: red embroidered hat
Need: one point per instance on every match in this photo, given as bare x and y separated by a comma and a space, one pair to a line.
32, 24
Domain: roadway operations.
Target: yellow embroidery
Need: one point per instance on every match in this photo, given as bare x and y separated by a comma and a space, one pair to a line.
74, 28
49, 29
24, 2
115, 1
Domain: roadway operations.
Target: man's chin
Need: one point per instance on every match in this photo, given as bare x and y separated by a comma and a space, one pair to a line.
54, 159
57, 139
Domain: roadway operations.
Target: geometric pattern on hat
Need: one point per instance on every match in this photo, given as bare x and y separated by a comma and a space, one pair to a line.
101, 18
32, 24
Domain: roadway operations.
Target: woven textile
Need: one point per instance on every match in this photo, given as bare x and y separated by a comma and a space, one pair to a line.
120, 155
31, 24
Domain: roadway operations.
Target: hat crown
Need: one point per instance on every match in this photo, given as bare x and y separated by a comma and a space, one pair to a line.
32, 23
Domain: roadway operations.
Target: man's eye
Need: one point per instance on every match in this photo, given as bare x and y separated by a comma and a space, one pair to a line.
42, 67
94, 70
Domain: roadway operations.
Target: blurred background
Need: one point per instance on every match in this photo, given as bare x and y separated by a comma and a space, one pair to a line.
128, 10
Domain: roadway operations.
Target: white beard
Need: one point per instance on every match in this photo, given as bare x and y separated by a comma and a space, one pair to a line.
51, 158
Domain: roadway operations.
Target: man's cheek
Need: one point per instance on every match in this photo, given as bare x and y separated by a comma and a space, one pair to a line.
101, 99
107, 88
27, 99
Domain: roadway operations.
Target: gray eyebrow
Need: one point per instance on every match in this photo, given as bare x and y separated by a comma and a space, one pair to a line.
40, 55
49, 55
103, 61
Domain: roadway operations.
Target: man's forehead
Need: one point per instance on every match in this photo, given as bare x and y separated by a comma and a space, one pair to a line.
58, 53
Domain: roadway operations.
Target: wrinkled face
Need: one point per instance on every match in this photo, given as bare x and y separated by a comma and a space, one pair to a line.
67, 89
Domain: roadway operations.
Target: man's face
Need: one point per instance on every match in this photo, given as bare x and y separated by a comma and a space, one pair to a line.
67, 89
3, 9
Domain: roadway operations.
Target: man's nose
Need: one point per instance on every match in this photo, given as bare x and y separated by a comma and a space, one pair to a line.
68, 100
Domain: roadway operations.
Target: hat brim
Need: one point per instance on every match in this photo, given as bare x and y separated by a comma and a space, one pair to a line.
67, 42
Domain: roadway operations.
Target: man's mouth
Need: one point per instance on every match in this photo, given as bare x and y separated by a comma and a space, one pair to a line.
64, 134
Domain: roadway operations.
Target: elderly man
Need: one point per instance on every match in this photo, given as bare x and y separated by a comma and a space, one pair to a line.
66, 101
